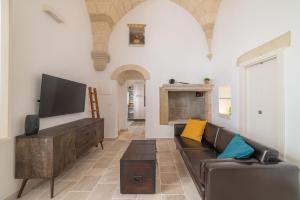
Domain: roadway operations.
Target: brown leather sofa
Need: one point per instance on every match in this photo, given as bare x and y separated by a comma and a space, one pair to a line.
262, 177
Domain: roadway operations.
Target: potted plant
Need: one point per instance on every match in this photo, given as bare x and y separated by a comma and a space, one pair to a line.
207, 80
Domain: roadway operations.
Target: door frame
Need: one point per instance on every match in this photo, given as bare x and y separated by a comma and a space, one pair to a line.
279, 56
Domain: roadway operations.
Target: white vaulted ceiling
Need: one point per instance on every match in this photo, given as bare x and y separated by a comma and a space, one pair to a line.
104, 14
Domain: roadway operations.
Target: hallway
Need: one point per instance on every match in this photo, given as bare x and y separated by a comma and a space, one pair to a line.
136, 131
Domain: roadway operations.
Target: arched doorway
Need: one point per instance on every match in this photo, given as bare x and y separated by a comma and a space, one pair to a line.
131, 100
130, 72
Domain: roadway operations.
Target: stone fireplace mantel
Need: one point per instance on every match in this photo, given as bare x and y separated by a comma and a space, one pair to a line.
179, 102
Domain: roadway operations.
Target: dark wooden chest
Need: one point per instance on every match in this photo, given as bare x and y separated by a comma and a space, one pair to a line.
138, 168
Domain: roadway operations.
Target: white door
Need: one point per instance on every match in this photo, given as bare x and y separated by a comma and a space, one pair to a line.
263, 104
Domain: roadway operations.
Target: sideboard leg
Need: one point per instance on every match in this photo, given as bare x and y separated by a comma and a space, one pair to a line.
52, 187
22, 188
102, 144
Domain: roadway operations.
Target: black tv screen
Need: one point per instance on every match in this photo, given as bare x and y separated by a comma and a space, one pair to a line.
60, 97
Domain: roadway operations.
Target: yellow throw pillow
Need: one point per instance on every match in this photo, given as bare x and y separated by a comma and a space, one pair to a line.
194, 129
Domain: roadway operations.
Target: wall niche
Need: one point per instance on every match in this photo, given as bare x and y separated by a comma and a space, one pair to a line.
178, 103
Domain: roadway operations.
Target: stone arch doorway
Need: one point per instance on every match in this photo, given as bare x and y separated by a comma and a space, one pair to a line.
131, 98
130, 72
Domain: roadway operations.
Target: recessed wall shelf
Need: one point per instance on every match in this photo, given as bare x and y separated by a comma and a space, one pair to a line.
180, 102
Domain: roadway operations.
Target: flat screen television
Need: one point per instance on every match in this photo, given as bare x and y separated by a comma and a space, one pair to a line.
60, 97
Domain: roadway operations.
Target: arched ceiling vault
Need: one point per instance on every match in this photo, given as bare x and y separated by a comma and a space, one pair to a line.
104, 14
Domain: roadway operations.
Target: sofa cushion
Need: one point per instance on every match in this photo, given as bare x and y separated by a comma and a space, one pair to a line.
223, 139
185, 143
237, 148
197, 156
262, 153
194, 129
210, 133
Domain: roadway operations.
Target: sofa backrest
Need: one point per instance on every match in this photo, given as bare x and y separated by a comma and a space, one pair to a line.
210, 133
219, 138
223, 139
262, 153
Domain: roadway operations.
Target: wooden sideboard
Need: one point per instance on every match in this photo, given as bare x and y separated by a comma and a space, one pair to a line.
47, 154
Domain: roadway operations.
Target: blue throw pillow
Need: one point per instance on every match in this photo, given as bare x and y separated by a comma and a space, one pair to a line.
237, 148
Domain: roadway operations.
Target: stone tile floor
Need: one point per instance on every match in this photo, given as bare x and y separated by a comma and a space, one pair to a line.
96, 175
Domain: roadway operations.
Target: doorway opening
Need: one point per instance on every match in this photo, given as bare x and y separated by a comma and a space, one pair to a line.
131, 101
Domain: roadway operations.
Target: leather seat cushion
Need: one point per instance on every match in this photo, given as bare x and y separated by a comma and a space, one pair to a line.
185, 143
197, 156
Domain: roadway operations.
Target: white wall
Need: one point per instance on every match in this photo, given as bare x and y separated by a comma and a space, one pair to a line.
242, 26
39, 45
175, 48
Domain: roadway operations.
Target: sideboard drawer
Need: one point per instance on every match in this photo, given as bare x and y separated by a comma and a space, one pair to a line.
85, 139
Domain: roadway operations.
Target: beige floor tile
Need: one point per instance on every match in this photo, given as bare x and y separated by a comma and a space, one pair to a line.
83, 166
169, 178
60, 190
76, 196
163, 149
103, 192
158, 186
181, 169
165, 159
165, 154
190, 189
118, 195
171, 189
72, 175
111, 153
173, 197
87, 183
44, 184
111, 176
115, 163
103, 162
32, 194
94, 172
167, 168
149, 197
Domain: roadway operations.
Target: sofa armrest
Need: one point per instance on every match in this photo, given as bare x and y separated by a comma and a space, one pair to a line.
178, 129
236, 181
230, 160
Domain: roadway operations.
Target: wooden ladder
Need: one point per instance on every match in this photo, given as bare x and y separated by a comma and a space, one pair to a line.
94, 103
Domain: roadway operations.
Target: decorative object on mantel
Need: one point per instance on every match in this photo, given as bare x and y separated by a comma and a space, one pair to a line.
207, 81
172, 81
32, 125
137, 34
53, 14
